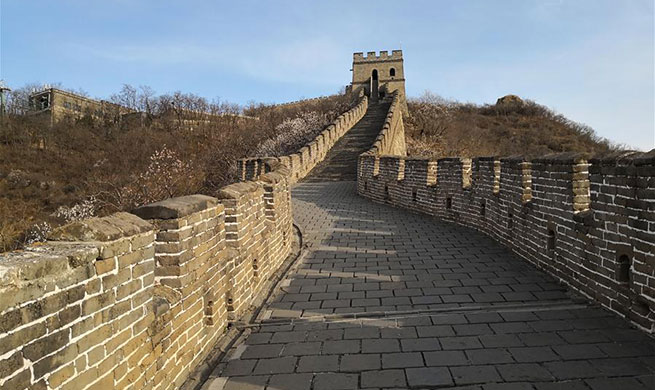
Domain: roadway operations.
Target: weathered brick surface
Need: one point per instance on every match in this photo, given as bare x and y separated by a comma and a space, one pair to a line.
387, 297
391, 140
78, 302
590, 223
302, 162
138, 301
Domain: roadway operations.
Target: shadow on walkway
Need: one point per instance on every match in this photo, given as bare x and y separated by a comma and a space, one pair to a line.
384, 298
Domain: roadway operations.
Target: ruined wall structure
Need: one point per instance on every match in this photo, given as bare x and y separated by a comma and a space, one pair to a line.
588, 222
138, 301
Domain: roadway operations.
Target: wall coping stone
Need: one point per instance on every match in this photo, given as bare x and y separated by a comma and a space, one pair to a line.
485, 158
237, 190
174, 208
102, 229
44, 260
562, 158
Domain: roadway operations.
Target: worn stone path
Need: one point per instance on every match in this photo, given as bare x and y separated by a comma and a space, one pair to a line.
439, 305
382, 298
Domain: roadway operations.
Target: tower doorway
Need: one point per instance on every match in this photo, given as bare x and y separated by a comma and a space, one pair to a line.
374, 86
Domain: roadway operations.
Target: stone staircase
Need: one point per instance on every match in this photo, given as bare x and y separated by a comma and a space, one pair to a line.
340, 164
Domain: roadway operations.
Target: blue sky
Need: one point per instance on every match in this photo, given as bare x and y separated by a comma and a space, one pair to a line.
589, 60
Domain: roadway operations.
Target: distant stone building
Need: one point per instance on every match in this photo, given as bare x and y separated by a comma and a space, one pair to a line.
56, 104
379, 75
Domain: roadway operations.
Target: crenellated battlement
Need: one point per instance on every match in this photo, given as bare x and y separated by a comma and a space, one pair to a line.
588, 221
373, 56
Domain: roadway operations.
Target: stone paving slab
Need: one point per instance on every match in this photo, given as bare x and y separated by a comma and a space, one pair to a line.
384, 299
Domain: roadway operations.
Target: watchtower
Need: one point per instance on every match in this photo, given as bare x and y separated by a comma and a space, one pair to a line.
379, 75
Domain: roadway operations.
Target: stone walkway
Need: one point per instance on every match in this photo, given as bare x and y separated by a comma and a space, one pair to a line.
384, 298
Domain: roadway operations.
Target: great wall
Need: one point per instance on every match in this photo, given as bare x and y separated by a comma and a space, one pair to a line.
490, 272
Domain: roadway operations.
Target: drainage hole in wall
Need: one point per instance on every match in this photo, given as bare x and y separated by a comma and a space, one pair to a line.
623, 269
550, 243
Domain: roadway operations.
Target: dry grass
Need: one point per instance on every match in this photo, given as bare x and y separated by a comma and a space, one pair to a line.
436, 127
77, 168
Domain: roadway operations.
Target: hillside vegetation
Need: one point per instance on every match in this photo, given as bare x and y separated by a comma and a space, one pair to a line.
512, 126
78, 168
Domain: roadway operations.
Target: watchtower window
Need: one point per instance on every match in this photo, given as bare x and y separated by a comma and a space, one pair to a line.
392, 72
44, 102
375, 74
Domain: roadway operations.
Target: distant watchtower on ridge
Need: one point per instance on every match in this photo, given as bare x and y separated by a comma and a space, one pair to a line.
379, 75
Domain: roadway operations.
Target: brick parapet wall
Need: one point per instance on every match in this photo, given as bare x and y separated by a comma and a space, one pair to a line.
391, 139
132, 302
190, 275
138, 301
76, 313
589, 222
303, 161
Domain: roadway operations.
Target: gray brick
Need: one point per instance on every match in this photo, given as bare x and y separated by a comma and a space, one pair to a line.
281, 365
398, 333
384, 378
566, 385
380, 345
291, 381
449, 319
256, 382
524, 372
360, 362
341, 347
422, 344
617, 383
318, 363
322, 335
366, 302
500, 340
572, 369
472, 329
366, 332
262, 351
239, 367
460, 343
333, 381
259, 338
577, 352
297, 349
428, 377
287, 337
402, 360
435, 331
445, 358
489, 356
533, 354
474, 374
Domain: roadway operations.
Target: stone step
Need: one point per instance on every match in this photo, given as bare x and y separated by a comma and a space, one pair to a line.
340, 164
